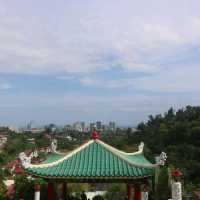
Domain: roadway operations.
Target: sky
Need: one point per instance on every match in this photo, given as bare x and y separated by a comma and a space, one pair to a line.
120, 60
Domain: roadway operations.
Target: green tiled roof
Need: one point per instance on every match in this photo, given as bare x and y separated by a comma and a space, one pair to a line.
94, 159
139, 158
53, 157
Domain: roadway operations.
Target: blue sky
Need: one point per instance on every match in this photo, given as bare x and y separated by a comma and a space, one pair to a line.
122, 60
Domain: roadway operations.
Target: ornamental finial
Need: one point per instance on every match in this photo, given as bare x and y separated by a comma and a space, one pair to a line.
95, 135
25, 160
160, 160
141, 146
54, 145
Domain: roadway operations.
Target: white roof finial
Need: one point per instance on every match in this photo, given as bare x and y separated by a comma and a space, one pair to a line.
54, 145
160, 160
141, 147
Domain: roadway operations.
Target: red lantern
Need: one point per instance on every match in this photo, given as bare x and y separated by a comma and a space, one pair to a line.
176, 173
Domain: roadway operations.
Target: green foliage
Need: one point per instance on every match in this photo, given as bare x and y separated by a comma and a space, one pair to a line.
41, 140
77, 188
178, 134
116, 191
15, 145
162, 190
2, 185
18, 143
64, 143
24, 188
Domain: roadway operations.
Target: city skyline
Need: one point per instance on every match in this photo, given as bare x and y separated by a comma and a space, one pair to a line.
69, 61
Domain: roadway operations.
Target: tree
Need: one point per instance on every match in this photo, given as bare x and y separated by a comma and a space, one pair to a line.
2, 185
178, 134
24, 188
162, 191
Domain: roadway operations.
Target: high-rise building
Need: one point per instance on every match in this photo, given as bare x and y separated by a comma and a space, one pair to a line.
92, 125
79, 126
83, 126
68, 127
112, 126
98, 125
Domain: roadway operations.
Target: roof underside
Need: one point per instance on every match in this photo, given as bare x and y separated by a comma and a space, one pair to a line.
94, 161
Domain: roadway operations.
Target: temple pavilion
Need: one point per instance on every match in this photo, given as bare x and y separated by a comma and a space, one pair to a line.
94, 162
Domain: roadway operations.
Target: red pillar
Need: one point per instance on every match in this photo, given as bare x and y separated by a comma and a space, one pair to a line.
129, 192
50, 195
137, 193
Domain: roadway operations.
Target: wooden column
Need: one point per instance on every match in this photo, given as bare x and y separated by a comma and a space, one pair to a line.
129, 191
50, 195
137, 192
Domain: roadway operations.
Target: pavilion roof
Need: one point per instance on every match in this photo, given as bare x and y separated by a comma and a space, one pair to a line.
94, 159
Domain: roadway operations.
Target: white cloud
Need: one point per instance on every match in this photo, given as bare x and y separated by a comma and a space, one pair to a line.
177, 79
66, 77
181, 79
79, 42
103, 83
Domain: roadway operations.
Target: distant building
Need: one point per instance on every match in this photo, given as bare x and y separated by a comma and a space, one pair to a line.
104, 127
13, 129
92, 125
68, 127
79, 126
34, 130
3, 140
31, 140
4, 130
112, 126
133, 130
83, 126
98, 125
87, 128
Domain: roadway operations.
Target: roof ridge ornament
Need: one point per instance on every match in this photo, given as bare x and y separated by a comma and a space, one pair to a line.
25, 160
95, 135
54, 145
141, 147
161, 160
